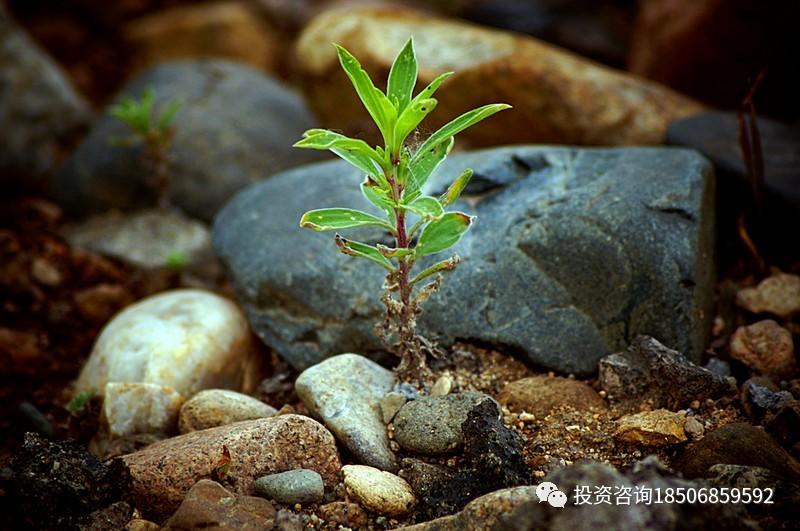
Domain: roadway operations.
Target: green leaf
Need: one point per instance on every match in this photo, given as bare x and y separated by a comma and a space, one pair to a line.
79, 401
454, 190
362, 250
412, 117
442, 233
340, 218
403, 76
425, 206
429, 91
356, 152
459, 124
422, 166
444, 265
168, 114
377, 104
378, 197
390, 252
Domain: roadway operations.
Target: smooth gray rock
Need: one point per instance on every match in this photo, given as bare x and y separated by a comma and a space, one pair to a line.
293, 486
40, 110
345, 393
236, 126
432, 424
150, 239
574, 253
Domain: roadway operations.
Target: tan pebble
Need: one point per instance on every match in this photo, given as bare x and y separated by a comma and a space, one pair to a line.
652, 428
377, 490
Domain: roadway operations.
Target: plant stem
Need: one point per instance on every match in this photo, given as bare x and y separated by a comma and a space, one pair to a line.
412, 362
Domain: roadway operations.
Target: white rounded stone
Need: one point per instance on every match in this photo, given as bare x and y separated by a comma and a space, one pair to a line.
188, 340
131, 408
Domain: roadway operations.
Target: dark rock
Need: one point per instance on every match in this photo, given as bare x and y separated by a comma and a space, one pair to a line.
484, 513
719, 367
564, 229
40, 110
491, 459
783, 423
236, 126
112, 518
599, 31
757, 400
56, 485
426, 480
433, 424
716, 135
648, 370
210, 505
651, 473
737, 443
589, 516
786, 494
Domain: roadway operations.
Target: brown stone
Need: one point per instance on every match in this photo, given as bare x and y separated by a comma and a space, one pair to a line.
230, 30
737, 443
558, 97
652, 428
541, 394
164, 472
714, 49
766, 347
343, 513
208, 505
778, 295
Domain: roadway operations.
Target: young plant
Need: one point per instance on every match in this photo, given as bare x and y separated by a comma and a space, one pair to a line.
395, 177
154, 131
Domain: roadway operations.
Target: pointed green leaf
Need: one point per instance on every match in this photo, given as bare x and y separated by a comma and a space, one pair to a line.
340, 218
429, 91
378, 197
403, 76
459, 124
375, 101
356, 152
454, 190
362, 250
425, 206
442, 233
168, 114
422, 165
444, 265
412, 117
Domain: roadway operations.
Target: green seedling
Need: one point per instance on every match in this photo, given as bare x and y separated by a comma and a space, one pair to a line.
395, 177
154, 131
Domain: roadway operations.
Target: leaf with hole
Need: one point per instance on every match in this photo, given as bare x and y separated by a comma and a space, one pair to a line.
323, 219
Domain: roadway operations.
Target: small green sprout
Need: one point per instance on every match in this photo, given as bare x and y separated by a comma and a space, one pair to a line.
79, 401
395, 177
176, 260
154, 131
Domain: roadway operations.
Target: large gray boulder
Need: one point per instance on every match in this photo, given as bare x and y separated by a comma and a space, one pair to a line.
236, 126
574, 253
40, 110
